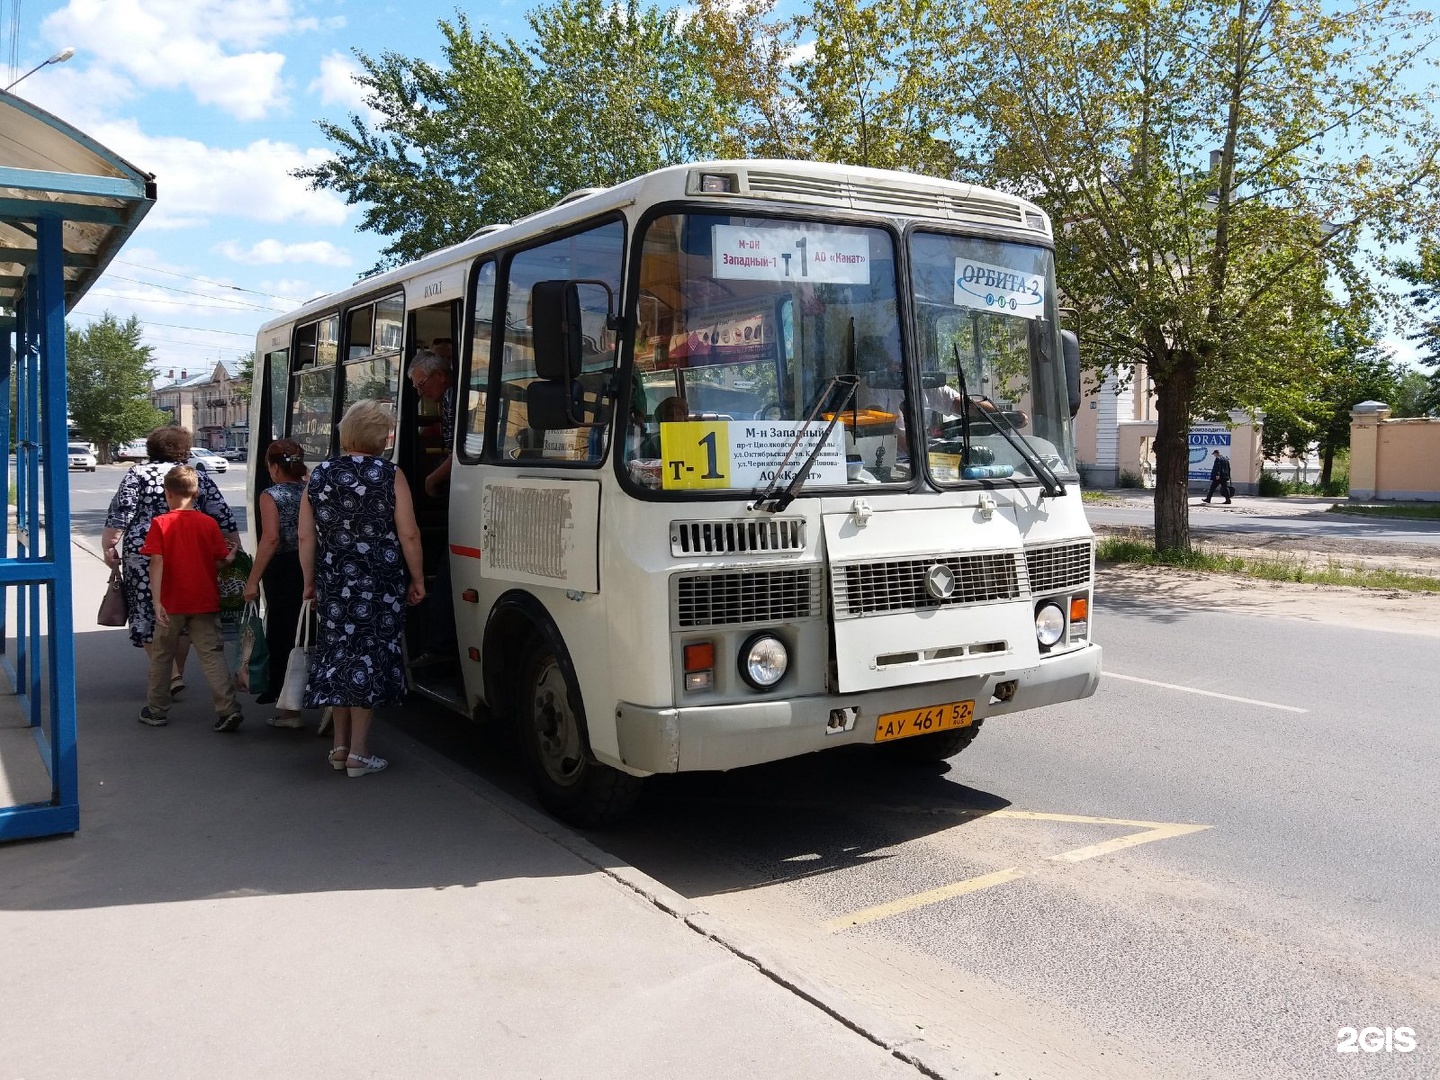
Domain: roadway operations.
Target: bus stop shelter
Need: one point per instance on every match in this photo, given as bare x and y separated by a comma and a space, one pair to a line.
67, 205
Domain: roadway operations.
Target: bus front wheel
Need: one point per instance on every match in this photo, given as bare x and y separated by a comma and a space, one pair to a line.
571, 784
926, 749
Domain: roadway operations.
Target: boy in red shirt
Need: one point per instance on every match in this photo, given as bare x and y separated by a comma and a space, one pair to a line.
186, 550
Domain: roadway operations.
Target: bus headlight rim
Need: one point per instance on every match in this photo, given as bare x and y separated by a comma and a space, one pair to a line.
1049, 623
764, 661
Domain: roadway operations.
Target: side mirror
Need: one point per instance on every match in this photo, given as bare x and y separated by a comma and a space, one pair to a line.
558, 338
1070, 345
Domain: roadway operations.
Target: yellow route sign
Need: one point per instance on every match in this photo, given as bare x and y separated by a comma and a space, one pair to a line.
695, 454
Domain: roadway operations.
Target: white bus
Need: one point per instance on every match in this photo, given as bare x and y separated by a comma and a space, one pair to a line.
752, 459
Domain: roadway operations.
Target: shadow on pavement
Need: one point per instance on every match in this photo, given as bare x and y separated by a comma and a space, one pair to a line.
182, 813
803, 818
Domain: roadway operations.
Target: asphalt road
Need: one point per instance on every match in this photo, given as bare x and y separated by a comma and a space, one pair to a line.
1271, 517
1209, 869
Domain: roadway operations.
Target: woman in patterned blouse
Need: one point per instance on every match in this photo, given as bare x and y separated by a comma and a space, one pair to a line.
277, 564
139, 499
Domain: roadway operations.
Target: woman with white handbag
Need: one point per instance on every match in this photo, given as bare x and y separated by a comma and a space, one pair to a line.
360, 554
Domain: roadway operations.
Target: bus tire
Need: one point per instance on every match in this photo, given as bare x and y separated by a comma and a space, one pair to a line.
928, 749
571, 784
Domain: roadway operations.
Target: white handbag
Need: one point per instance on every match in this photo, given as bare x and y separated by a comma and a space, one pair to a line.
297, 667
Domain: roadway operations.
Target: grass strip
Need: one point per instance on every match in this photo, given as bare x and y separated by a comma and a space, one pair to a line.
1413, 511
1141, 552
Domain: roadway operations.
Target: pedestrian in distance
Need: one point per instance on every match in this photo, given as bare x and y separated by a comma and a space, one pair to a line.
139, 499
1219, 478
360, 555
186, 550
277, 566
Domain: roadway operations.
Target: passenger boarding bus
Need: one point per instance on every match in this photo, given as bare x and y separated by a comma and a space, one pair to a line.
751, 459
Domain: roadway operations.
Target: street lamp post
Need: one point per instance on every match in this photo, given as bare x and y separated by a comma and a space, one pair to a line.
59, 58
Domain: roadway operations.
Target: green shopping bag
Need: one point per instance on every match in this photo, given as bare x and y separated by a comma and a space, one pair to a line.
252, 669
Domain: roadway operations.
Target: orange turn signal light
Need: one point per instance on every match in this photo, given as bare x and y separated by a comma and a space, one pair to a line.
700, 656
1079, 608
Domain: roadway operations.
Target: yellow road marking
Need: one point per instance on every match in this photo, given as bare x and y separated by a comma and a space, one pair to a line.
1149, 831
924, 899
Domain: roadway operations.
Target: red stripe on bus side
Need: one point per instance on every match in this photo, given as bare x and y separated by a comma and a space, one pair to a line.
474, 553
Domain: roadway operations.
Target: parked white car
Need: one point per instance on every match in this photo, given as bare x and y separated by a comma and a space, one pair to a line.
81, 457
207, 461
132, 451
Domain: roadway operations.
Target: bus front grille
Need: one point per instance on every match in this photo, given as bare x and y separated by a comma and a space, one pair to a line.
737, 536
883, 588
751, 596
1056, 567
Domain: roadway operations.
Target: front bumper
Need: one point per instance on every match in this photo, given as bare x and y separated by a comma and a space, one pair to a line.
667, 740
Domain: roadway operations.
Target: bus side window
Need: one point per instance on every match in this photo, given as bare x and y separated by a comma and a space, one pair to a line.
477, 373
588, 257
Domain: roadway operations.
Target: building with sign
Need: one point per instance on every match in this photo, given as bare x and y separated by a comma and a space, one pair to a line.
214, 404
1115, 435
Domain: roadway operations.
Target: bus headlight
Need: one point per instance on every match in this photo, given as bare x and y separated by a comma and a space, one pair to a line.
763, 661
1049, 623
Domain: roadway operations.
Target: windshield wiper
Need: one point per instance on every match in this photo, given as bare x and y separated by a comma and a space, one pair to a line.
1048, 480
775, 501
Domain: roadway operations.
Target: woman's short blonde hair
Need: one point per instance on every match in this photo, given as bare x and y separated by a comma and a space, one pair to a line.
366, 426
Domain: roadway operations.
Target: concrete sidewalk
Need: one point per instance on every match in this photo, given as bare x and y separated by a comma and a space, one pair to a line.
233, 907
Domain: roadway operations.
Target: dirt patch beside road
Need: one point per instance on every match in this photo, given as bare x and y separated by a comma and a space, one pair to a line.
1374, 609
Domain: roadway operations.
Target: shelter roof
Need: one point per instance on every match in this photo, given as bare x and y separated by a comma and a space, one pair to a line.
51, 169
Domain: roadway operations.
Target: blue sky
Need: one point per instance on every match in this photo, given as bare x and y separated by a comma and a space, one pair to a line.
218, 98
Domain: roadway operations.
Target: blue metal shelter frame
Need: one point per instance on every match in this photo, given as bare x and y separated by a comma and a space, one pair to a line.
67, 205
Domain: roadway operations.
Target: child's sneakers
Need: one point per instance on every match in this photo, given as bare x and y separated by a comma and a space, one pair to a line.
153, 719
229, 723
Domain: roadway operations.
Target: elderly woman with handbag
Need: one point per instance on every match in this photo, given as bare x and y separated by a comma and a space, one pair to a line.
139, 499
360, 554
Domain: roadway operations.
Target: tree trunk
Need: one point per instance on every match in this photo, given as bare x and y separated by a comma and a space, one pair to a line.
1173, 395
1327, 465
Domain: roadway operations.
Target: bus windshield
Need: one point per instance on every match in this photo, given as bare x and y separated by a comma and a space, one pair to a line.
991, 305
752, 334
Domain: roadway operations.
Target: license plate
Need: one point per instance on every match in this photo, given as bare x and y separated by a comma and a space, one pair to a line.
927, 721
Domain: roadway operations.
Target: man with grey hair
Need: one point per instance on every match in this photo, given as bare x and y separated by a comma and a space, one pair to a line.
433, 380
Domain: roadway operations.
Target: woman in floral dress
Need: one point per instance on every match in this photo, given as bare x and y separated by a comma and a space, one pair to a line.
359, 547
139, 499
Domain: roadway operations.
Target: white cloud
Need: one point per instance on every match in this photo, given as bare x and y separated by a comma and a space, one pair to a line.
336, 83
196, 182
212, 48
271, 252
801, 54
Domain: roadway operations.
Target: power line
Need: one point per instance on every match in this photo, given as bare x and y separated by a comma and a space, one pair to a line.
174, 326
192, 292
183, 303
207, 281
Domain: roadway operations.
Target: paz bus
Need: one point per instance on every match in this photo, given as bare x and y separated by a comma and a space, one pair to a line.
751, 459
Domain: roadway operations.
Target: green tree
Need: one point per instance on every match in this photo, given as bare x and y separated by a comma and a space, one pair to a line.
1414, 395
245, 376
873, 92
1352, 368
1424, 274
1211, 167
604, 92
107, 373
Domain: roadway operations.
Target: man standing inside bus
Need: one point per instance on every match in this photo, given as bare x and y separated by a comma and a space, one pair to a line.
433, 380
